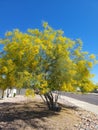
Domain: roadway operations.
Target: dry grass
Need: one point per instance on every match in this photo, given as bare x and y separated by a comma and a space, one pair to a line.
34, 115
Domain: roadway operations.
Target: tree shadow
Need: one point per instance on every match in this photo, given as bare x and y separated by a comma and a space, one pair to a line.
73, 107
31, 113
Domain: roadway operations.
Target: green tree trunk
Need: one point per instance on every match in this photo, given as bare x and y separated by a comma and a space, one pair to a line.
51, 102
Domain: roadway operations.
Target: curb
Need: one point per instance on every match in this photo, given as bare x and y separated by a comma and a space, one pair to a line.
78, 103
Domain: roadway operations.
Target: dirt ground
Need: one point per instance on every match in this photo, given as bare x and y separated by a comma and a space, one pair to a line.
33, 114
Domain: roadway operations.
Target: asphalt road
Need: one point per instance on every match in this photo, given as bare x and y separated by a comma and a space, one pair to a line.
90, 98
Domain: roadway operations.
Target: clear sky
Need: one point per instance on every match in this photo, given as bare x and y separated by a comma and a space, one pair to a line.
77, 18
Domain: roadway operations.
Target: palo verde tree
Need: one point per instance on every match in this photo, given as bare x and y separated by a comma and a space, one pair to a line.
46, 61
7, 79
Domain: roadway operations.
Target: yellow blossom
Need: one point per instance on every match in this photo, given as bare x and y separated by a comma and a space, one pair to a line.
92, 56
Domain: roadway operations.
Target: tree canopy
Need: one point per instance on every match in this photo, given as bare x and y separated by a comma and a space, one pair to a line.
45, 60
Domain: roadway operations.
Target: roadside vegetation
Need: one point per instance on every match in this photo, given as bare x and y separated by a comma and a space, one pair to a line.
44, 61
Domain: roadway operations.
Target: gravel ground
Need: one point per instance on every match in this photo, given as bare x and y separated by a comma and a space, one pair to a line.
89, 121
22, 113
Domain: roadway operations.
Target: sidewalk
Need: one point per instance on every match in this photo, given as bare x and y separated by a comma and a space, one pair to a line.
81, 104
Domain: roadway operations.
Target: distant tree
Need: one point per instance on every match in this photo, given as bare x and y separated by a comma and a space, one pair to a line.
46, 61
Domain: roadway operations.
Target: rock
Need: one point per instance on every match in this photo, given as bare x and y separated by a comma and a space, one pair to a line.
75, 125
96, 127
81, 129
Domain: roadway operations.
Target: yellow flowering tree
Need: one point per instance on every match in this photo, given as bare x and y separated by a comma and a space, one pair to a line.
46, 61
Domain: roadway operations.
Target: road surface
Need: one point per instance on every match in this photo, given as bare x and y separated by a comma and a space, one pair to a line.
90, 98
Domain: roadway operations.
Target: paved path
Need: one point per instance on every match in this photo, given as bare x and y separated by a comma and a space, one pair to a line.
87, 106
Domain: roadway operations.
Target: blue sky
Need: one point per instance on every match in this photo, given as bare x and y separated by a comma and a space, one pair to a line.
77, 18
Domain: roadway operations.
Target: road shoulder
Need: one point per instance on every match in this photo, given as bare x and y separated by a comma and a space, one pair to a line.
78, 103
